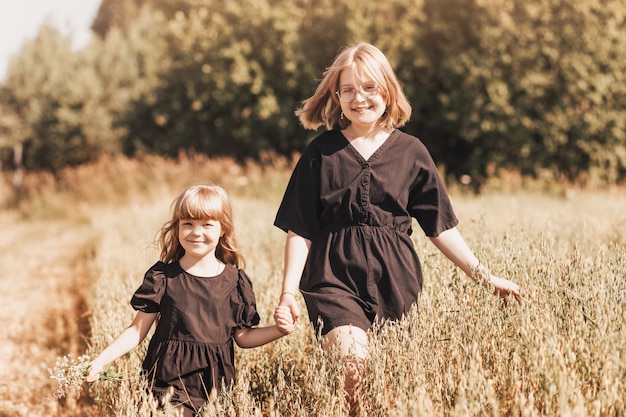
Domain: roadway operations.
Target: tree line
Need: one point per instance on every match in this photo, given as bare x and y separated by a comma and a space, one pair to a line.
535, 86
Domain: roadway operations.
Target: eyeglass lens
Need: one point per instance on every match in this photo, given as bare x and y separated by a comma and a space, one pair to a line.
349, 94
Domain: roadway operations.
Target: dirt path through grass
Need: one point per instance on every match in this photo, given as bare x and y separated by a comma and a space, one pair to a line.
43, 314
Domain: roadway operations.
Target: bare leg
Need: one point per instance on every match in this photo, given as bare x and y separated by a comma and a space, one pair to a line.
352, 346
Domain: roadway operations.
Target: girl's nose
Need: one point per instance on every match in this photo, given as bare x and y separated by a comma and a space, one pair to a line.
359, 95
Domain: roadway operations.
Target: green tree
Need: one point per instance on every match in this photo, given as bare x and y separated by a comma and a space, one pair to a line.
11, 142
130, 64
54, 93
115, 14
530, 86
228, 87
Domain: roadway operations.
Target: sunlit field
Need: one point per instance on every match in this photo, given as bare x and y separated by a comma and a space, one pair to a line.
461, 352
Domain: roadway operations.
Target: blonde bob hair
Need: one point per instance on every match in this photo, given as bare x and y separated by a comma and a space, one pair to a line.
323, 107
205, 202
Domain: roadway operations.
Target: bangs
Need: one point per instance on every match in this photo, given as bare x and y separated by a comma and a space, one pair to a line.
366, 72
369, 62
202, 205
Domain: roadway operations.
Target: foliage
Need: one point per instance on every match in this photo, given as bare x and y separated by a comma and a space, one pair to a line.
534, 86
115, 14
55, 94
226, 88
540, 87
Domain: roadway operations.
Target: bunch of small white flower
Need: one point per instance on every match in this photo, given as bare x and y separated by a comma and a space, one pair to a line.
70, 373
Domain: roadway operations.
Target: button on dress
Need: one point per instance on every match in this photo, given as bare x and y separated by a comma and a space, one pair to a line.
357, 213
192, 347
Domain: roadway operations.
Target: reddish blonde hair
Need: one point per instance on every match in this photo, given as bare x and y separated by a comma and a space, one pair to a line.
323, 107
207, 202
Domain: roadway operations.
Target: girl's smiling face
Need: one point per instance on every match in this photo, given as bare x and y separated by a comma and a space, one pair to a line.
199, 238
361, 111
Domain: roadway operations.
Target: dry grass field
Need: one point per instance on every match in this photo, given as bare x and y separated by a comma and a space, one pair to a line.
77, 248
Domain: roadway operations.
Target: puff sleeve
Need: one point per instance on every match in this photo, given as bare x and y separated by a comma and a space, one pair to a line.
148, 296
247, 315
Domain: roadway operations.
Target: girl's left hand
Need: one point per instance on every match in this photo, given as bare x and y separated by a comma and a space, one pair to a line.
503, 287
284, 320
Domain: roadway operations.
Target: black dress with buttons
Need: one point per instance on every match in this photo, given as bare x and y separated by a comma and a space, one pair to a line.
362, 264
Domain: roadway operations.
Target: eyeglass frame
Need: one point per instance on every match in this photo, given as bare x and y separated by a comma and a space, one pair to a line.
367, 96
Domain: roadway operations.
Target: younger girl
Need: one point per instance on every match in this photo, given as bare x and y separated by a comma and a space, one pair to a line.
203, 299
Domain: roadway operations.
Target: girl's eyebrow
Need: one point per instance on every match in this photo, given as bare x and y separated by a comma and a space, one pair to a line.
362, 82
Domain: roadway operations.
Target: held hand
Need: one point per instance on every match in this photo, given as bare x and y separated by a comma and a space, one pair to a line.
288, 300
284, 320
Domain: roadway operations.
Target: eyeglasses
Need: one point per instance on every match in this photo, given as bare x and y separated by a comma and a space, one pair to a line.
347, 95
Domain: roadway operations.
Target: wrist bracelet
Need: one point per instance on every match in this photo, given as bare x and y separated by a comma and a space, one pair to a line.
287, 292
481, 274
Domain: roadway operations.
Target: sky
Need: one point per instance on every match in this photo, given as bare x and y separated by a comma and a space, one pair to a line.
21, 19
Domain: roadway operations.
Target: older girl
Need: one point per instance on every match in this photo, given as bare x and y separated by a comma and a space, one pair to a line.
349, 205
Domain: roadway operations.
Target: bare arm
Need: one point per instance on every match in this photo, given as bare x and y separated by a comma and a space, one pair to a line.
254, 337
130, 338
257, 336
296, 253
453, 246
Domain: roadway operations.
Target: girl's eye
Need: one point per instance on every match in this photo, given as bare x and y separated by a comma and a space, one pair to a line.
343, 91
369, 88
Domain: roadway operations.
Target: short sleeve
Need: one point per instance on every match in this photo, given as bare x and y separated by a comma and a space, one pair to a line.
247, 314
300, 208
429, 202
148, 296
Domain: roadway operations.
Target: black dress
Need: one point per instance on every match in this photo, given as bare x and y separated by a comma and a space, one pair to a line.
192, 348
362, 264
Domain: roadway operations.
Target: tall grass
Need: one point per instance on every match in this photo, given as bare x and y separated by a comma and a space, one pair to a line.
561, 352
461, 352
112, 182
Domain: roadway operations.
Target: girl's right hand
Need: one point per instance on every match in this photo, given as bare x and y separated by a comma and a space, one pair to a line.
94, 371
